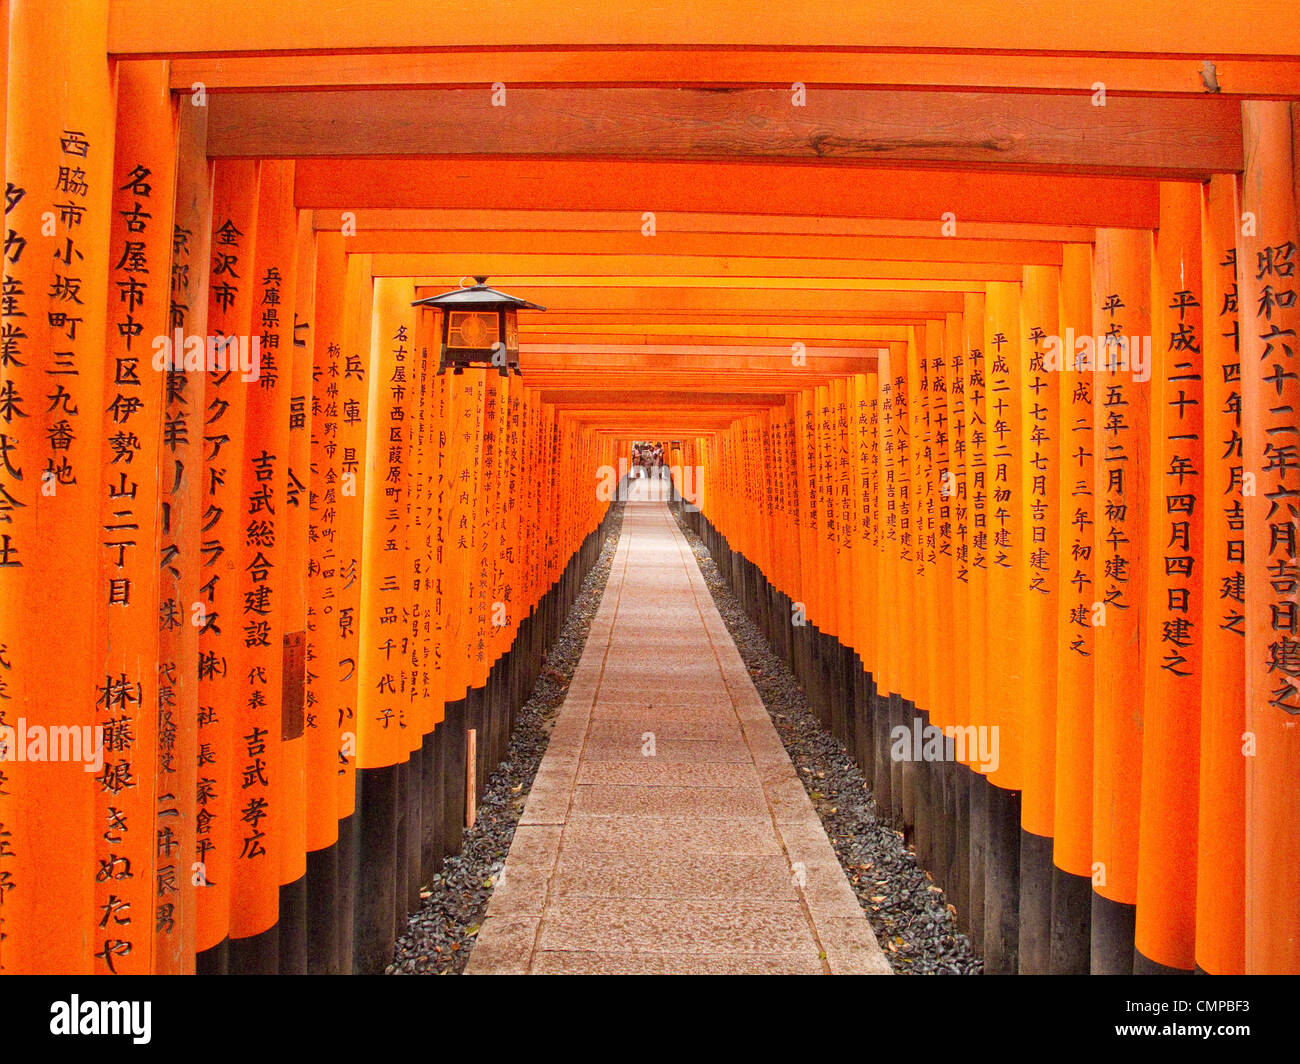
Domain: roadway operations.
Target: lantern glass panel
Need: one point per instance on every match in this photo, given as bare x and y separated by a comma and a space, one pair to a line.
471, 330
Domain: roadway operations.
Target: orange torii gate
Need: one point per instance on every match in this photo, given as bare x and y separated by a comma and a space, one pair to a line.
1175, 453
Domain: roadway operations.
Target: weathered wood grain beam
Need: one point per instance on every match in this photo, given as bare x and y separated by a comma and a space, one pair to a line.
1152, 137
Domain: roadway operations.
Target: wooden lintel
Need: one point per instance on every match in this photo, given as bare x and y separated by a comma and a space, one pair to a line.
1160, 137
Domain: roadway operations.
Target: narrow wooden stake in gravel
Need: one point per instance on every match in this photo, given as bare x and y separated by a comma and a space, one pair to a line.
666, 831
471, 776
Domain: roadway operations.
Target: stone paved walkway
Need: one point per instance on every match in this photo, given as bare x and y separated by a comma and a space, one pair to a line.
666, 831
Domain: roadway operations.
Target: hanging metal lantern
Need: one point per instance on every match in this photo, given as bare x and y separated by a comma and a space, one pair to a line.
480, 327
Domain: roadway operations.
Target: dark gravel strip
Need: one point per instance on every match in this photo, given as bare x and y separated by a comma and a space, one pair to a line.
439, 936
907, 911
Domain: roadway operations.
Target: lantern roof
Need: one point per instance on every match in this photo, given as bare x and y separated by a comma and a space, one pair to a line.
476, 296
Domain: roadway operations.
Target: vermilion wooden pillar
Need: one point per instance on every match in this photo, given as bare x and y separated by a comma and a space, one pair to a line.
494, 610
356, 409
510, 560
1267, 281
478, 533
1040, 494
1121, 317
332, 489
181, 476
153, 823
872, 579
528, 516
437, 824
920, 573
1174, 568
384, 716
975, 402
955, 498
938, 548
1007, 585
232, 241
382, 713
1008, 593
889, 676
977, 659
827, 608
411, 830
299, 720
939, 541
458, 471
795, 504
1074, 624
59, 150
765, 458
551, 493
920, 495
1221, 812
262, 809
911, 652
423, 578
903, 690
848, 601
778, 579
861, 481
804, 444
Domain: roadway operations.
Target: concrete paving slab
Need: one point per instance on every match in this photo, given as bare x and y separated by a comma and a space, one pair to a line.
710, 803
671, 750
717, 730
650, 772
654, 925
703, 876
705, 858
672, 836
557, 962
662, 716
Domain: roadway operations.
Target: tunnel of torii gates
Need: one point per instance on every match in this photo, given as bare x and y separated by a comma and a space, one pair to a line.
973, 339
